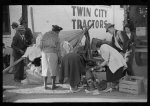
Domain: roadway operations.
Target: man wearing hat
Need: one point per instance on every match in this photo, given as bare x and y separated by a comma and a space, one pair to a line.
119, 38
50, 47
19, 47
28, 32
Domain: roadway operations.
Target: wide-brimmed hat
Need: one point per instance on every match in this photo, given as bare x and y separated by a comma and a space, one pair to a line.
21, 28
15, 24
107, 26
56, 28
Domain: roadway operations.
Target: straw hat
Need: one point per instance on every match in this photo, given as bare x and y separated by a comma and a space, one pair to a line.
21, 28
107, 26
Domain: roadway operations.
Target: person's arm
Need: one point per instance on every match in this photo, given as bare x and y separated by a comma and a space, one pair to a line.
58, 51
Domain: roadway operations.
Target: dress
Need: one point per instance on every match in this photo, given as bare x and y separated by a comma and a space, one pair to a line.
50, 47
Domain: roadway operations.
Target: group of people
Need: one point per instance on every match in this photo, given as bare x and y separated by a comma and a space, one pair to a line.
117, 56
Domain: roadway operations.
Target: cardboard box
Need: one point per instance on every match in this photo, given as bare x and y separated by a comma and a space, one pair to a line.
131, 84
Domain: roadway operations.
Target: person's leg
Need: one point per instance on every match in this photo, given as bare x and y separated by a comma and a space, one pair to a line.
53, 82
109, 77
129, 64
21, 71
45, 81
11, 62
116, 77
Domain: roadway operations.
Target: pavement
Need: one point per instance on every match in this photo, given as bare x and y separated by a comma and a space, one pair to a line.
16, 93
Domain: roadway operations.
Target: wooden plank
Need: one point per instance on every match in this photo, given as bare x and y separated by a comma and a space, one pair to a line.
128, 91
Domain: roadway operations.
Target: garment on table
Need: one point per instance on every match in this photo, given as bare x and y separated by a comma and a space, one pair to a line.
66, 48
72, 66
114, 58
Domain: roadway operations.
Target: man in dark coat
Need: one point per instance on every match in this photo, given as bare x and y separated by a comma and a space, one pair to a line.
28, 33
19, 47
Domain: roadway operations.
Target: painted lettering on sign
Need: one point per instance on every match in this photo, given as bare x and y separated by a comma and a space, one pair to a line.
80, 15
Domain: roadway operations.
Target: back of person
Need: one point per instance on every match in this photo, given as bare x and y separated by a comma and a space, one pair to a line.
116, 60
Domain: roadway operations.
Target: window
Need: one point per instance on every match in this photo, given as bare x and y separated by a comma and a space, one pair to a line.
6, 20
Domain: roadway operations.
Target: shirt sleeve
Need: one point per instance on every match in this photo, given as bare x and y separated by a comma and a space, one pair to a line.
104, 51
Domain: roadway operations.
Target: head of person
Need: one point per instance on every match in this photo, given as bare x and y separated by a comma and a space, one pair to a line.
109, 28
127, 28
14, 25
23, 22
56, 28
99, 44
21, 29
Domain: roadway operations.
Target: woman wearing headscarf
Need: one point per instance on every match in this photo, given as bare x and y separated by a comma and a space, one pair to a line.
130, 50
113, 62
50, 47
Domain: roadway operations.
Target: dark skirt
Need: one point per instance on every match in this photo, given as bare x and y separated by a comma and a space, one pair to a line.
113, 77
72, 66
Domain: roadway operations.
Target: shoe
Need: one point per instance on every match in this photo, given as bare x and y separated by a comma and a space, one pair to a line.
108, 90
16, 80
54, 87
74, 90
45, 87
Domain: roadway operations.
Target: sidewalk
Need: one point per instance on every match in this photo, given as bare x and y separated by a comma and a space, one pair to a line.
36, 93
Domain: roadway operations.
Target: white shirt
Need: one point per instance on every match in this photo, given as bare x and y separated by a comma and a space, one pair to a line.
114, 58
129, 35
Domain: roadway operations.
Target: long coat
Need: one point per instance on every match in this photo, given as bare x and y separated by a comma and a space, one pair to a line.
72, 66
18, 44
120, 41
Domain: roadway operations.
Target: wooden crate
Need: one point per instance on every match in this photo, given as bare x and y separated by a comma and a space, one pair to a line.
131, 84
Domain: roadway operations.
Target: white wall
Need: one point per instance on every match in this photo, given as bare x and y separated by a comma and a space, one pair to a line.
15, 14
62, 15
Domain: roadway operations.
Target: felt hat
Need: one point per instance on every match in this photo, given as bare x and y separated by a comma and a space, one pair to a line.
21, 28
56, 28
14, 24
107, 26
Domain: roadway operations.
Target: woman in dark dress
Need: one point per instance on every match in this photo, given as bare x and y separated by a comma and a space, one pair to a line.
72, 67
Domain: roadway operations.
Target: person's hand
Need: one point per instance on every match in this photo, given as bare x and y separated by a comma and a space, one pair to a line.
21, 51
123, 54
